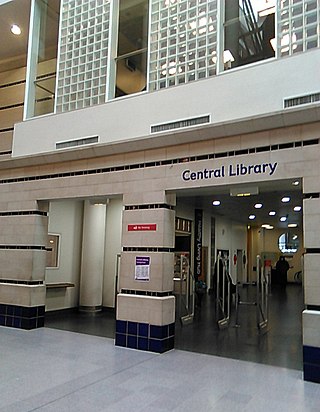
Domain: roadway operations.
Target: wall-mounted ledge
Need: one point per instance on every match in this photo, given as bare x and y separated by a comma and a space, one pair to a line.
59, 285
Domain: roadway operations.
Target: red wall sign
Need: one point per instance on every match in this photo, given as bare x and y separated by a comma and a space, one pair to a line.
142, 227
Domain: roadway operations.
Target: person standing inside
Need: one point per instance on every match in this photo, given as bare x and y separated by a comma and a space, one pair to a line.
282, 267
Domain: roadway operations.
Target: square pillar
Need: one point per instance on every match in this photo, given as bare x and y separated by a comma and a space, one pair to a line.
145, 304
311, 315
23, 249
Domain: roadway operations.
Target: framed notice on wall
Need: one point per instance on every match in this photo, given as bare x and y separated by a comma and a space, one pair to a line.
142, 268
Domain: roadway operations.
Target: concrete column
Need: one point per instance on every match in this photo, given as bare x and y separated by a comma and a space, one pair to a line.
92, 259
145, 304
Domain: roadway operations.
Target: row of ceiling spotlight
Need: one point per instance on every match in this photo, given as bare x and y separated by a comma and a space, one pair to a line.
285, 199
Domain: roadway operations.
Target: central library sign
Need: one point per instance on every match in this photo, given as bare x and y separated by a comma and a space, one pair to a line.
231, 170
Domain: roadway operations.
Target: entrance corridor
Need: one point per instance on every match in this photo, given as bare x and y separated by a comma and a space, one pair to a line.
280, 346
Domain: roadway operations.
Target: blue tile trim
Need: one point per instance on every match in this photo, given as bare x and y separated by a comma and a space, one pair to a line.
143, 329
311, 373
311, 355
311, 364
121, 340
22, 317
143, 336
132, 342
132, 328
121, 326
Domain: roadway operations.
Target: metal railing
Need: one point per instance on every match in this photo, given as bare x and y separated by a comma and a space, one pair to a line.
262, 296
223, 294
185, 293
261, 302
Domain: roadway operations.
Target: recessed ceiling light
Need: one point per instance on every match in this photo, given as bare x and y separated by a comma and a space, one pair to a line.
258, 205
283, 218
272, 213
267, 226
251, 217
285, 199
296, 183
297, 208
216, 202
292, 225
15, 29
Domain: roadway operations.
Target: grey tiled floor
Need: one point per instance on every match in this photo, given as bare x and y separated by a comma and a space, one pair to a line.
54, 370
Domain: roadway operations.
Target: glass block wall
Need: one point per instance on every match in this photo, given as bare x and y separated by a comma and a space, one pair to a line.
82, 70
298, 26
183, 38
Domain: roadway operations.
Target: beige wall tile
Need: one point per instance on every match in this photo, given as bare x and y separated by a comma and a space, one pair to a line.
19, 264
22, 295
311, 327
146, 309
161, 272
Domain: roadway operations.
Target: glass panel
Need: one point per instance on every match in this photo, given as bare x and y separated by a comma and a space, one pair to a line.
288, 242
302, 15
132, 47
42, 69
249, 29
188, 48
131, 74
84, 52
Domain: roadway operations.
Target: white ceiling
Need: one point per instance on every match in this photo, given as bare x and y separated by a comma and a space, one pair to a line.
239, 208
13, 50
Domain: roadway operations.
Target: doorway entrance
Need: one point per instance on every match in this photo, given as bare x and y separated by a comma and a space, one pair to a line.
247, 225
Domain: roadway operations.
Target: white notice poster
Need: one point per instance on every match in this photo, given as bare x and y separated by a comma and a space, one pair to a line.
142, 269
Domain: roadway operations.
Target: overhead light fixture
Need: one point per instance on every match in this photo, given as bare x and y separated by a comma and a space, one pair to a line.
272, 213
283, 218
292, 225
267, 226
216, 203
297, 208
285, 199
244, 191
258, 205
252, 217
296, 183
15, 29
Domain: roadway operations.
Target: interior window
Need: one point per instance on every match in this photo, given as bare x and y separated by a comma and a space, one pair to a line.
132, 47
249, 31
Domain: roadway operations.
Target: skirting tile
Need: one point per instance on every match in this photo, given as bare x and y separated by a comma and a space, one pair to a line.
311, 364
22, 317
145, 337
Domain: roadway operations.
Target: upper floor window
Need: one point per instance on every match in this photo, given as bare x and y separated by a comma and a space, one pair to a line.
131, 60
42, 58
249, 31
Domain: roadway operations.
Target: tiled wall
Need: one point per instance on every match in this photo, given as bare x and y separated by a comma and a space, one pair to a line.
142, 336
311, 316
22, 317
311, 345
